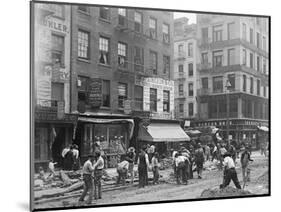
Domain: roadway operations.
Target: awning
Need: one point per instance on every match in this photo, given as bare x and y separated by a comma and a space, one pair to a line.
263, 128
110, 121
162, 132
193, 132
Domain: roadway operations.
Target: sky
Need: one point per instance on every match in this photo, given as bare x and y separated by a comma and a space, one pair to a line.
190, 16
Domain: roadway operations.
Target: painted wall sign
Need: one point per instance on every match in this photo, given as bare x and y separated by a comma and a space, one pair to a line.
95, 92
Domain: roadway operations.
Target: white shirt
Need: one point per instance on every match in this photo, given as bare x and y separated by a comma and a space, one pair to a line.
180, 159
76, 153
174, 154
99, 164
64, 151
228, 162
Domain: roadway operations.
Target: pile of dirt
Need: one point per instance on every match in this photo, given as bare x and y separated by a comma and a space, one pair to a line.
166, 163
225, 192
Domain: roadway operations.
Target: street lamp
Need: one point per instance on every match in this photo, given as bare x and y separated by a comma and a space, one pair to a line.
228, 86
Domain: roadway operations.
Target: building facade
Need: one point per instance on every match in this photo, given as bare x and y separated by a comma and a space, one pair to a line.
233, 52
185, 69
51, 94
121, 61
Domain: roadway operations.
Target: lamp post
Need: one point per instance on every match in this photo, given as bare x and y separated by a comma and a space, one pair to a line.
228, 86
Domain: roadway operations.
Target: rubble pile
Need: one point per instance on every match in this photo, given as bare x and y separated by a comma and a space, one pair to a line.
166, 163
225, 192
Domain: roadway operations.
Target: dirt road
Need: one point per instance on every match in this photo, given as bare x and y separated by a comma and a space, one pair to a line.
172, 191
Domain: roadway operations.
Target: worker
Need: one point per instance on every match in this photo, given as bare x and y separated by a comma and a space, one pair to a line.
131, 155
155, 167
98, 167
143, 165
199, 160
88, 181
122, 170
245, 159
180, 161
229, 171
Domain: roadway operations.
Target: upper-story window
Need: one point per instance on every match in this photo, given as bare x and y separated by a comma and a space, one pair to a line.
205, 83
251, 60
122, 94
244, 59
180, 89
258, 63
166, 101
138, 21
166, 33
153, 61
258, 40
180, 68
190, 89
84, 9
204, 58
244, 83
217, 84
83, 44
231, 56
104, 13
190, 50
104, 50
264, 66
180, 48
258, 87
166, 64
190, 69
251, 85
122, 13
106, 93
217, 58
122, 55
230, 31
190, 109
231, 79
217, 33
264, 43
138, 97
58, 10
138, 59
251, 36
153, 99
204, 35
244, 31
152, 28
58, 49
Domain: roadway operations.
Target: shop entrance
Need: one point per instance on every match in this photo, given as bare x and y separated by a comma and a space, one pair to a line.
58, 145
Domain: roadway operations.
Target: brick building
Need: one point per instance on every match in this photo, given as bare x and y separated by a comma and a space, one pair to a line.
233, 51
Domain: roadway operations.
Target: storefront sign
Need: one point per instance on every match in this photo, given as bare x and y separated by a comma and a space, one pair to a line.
95, 92
127, 107
43, 116
161, 115
55, 25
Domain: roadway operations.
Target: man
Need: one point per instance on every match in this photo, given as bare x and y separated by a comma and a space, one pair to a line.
187, 154
207, 152
232, 151
143, 165
87, 178
229, 172
122, 170
199, 160
69, 159
245, 159
76, 163
174, 152
150, 152
180, 161
98, 167
155, 167
131, 159
63, 153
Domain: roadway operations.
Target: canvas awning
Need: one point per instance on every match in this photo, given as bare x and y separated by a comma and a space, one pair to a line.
162, 132
263, 128
193, 132
110, 121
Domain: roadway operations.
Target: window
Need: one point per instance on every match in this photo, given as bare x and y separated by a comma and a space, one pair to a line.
244, 31
190, 50
58, 49
251, 60
258, 40
84, 9
244, 59
264, 43
104, 13
230, 31
57, 93
122, 13
138, 97
122, 55
217, 84
204, 58
180, 48
231, 79
190, 89
104, 50
258, 87
244, 83
251, 36
231, 57
166, 33
217, 33
251, 85
138, 21
166, 101
153, 62
181, 108
58, 10
264, 91
258, 63
190, 69
264, 65
190, 109
217, 58
205, 83
106, 93
138, 59
153, 99
166, 64
83, 44
152, 28
204, 35
180, 89
180, 67
82, 91
122, 94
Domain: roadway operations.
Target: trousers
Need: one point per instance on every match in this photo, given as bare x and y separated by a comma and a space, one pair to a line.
97, 183
230, 174
88, 187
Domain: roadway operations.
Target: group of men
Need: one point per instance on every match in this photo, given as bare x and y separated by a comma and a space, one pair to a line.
70, 157
92, 172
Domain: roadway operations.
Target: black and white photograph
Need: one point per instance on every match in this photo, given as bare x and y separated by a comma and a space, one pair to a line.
135, 105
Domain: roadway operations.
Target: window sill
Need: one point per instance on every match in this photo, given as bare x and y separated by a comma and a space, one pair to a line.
104, 20
83, 60
83, 12
104, 65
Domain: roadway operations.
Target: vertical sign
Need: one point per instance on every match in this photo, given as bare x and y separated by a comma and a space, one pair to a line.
127, 107
95, 92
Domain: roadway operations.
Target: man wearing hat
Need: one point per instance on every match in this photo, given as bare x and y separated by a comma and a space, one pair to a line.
87, 178
245, 159
98, 167
199, 160
131, 159
143, 165
229, 172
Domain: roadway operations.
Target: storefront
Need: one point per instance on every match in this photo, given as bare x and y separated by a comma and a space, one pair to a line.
110, 135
